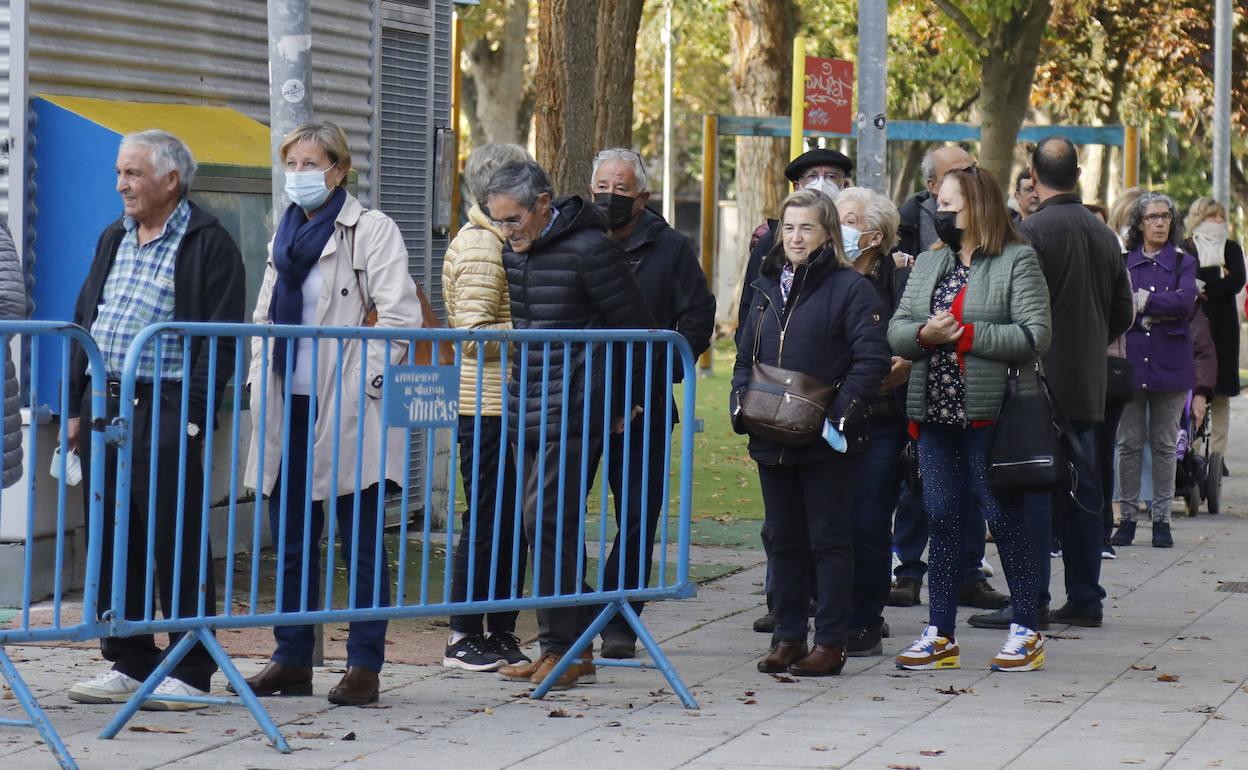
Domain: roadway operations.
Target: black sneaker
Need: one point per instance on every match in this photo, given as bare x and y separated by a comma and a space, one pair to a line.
864, 642
1125, 534
473, 653
1161, 535
1074, 616
766, 624
507, 646
1002, 618
619, 646
905, 592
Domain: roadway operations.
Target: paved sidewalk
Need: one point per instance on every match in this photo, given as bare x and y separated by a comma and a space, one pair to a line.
1098, 703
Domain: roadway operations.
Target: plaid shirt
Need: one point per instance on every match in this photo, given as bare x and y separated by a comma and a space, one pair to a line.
138, 293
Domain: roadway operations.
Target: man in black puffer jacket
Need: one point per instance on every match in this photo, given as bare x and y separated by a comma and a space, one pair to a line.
563, 272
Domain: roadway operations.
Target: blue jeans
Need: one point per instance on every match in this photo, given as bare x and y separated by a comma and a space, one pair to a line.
954, 462
366, 640
875, 498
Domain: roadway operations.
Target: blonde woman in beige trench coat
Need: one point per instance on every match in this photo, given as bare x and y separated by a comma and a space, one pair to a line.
321, 273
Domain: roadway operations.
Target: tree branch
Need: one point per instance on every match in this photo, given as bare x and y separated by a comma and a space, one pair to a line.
963, 22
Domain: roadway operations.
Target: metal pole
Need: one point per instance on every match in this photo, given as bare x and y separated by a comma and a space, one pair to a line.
457, 45
872, 96
290, 82
710, 207
1222, 27
669, 151
798, 107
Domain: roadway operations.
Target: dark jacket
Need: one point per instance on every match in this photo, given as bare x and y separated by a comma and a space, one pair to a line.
1221, 289
673, 284
574, 277
1204, 353
1090, 297
834, 331
758, 252
916, 232
14, 305
1159, 344
208, 286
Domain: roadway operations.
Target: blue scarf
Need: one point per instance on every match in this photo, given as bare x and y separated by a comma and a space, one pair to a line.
297, 247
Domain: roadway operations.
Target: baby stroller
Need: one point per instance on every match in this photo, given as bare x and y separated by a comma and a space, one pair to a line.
1194, 480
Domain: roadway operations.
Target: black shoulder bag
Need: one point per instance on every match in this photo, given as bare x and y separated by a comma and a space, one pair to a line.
1028, 453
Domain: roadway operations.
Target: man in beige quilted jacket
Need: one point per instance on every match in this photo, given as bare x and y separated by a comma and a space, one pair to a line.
475, 287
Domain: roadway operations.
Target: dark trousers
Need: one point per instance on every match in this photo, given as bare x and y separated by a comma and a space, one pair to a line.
557, 546
954, 462
910, 536
875, 498
495, 508
1081, 531
1106, 445
809, 519
137, 656
639, 523
366, 641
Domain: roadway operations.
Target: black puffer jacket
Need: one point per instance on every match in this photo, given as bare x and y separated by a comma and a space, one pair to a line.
573, 277
834, 329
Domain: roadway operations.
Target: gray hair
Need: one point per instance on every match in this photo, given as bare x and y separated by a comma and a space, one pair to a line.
878, 211
1135, 223
627, 155
169, 154
522, 181
929, 163
483, 161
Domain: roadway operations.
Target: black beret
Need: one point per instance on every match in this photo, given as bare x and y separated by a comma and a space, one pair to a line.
819, 157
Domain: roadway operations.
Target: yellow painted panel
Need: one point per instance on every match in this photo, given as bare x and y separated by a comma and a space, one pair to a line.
216, 135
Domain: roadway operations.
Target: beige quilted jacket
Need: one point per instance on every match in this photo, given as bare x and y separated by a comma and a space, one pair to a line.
474, 285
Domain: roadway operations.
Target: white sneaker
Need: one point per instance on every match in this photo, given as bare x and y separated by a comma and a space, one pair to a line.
985, 567
176, 687
1023, 651
108, 687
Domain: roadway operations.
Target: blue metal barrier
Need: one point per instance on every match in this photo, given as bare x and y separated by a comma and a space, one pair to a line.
366, 398
50, 623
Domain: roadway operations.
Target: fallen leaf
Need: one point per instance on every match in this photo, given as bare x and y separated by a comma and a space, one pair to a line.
231, 731
904, 767
349, 736
558, 714
955, 691
783, 678
489, 711
1143, 666
1132, 761
614, 724
818, 748
931, 752
749, 693
749, 701
311, 736
159, 729
375, 706
877, 697
1167, 677
1204, 709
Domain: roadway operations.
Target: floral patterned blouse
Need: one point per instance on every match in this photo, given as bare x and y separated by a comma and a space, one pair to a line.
946, 385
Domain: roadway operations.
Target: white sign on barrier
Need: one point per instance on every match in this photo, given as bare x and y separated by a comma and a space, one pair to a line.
423, 396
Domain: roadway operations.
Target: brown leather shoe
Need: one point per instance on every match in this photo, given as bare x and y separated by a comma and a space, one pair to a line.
358, 687
547, 663
824, 660
782, 655
277, 679
518, 672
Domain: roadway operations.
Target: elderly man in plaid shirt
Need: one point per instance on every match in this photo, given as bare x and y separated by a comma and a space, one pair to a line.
164, 260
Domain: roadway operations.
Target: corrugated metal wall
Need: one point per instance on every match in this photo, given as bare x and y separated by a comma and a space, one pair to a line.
203, 51
6, 137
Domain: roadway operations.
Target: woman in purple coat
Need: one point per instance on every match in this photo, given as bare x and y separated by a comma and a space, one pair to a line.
1159, 346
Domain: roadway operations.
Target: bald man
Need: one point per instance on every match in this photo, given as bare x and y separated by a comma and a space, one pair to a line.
917, 231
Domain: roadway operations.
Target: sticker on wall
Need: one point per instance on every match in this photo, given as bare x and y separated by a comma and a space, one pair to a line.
293, 91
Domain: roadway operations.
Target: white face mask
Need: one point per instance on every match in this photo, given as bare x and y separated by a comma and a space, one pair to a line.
825, 186
307, 189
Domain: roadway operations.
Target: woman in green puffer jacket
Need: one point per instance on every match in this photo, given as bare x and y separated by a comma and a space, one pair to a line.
975, 304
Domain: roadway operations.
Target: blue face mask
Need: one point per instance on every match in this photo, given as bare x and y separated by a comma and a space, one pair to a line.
849, 239
307, 189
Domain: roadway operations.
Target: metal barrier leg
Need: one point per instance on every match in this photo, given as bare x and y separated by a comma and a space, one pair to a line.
656, 654
38, 719
243, 689
573, 655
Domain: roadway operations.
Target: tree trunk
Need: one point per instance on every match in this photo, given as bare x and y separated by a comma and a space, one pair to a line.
1113, 116
761, 32
618, 22
566, 52
494, 81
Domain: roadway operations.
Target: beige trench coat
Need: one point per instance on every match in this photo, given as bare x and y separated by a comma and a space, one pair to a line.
380, 258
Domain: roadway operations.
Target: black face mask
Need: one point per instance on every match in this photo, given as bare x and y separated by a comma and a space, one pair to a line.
618, 209
947, 229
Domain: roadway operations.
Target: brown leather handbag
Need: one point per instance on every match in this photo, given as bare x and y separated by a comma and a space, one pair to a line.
783, 405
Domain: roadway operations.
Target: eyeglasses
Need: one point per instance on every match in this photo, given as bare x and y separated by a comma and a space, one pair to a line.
511, 223
810, 176
1158, 218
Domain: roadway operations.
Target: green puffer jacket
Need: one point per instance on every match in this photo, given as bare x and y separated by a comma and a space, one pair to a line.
1007, 302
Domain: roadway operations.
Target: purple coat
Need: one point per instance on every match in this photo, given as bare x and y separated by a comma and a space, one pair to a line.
1162, 352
